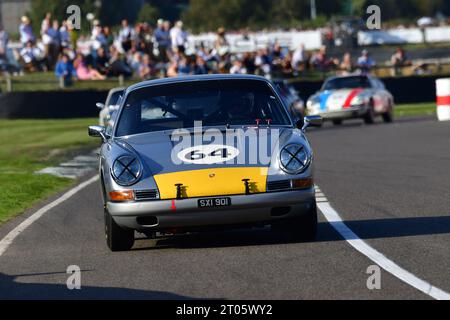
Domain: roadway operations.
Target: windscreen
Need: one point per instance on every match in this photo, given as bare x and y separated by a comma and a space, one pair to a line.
215, 103
347, 83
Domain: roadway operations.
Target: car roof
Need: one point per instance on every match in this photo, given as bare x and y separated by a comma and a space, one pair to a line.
351, 76
193, 78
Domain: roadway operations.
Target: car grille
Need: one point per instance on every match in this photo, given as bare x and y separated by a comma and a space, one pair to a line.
279, 185
141, 195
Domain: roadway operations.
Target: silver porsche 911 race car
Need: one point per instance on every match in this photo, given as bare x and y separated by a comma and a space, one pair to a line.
191, 153
354, 96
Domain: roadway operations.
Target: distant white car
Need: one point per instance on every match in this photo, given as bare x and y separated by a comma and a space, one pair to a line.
110, 107
354, 96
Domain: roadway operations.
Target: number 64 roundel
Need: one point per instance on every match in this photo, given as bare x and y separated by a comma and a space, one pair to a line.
208, 154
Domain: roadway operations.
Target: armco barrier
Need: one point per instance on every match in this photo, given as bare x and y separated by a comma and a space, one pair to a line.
50, 104
414, 89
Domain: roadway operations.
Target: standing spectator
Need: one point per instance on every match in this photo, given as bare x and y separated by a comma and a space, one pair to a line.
109, 37
365, 62
399, 60
346, 66
299, 59
321, 61
6, 63
162, 38
64, 69
126, 34
26, 31
4, 39
64, 34
46, 23
3, 48
53, 45
178, 37
221, 42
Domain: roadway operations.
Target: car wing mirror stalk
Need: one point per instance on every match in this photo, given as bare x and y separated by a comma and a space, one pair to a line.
311, 121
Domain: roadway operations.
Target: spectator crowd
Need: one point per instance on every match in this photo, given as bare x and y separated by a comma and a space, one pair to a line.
143, 52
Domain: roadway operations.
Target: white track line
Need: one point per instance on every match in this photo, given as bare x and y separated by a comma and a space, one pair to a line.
390, 266
9, 238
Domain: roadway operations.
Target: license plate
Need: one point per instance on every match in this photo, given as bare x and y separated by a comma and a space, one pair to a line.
214, 202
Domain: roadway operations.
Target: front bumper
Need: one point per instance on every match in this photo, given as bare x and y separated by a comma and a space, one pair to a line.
244, 209
348, 113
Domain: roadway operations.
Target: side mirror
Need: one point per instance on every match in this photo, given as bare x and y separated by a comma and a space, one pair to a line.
312, 121
98, 132
100, 105
300, 123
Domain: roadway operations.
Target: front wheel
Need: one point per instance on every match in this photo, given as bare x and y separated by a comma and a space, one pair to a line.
337, 122
387, 117
302, 228
369, 117
117, 238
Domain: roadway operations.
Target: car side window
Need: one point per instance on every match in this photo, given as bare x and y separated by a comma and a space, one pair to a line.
374, 84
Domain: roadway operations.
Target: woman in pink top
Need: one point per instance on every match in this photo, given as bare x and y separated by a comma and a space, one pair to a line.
85, 70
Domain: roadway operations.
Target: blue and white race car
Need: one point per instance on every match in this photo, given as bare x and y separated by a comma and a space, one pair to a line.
354, 96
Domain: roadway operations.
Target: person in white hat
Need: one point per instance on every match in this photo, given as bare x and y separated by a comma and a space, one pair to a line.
162, 39
178, 37
26, 31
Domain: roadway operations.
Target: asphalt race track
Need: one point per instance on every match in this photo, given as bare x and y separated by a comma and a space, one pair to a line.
390, 183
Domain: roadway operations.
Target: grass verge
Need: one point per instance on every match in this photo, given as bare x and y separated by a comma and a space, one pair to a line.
418, 109
30, 145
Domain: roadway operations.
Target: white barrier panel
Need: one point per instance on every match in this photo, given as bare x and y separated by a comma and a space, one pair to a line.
403, 35
443, 99
312, 40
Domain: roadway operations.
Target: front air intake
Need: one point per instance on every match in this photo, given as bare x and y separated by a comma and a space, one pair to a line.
279, 185
143, 195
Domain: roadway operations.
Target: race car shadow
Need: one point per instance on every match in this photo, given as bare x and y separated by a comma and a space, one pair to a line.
397, 227
363, 229
232, 238
10, 289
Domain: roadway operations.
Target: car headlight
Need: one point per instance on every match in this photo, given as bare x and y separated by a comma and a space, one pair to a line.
294, 158
312, 101
126, 170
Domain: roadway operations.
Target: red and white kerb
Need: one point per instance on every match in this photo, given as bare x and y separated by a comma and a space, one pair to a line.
443, 99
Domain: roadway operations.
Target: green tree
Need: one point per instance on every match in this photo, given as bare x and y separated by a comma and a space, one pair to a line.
149, 13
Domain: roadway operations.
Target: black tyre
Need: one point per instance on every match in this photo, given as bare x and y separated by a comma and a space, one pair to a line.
369, 117
387, 117
303, 228
117, 238
337, 122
